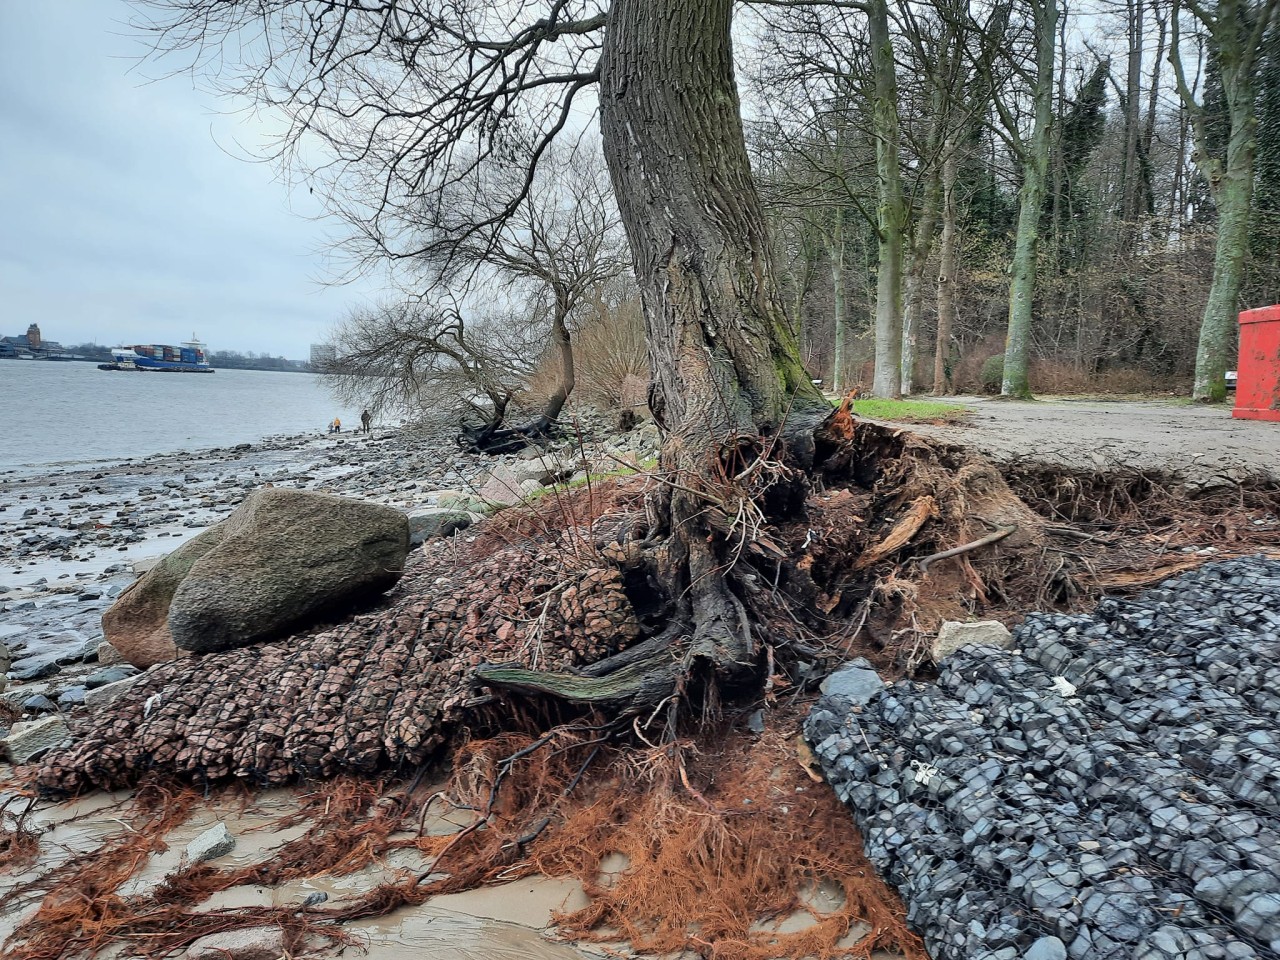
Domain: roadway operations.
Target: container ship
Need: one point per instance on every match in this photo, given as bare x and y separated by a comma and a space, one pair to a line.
189, 357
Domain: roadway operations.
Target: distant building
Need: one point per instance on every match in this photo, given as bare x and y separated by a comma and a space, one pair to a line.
322, 355
32, 344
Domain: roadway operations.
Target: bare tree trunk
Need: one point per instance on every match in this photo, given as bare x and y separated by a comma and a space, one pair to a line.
913, 285
560, 337
888, 368
724, 358
1035, 162
835, 251
948, 257
1237, 41
1131, 176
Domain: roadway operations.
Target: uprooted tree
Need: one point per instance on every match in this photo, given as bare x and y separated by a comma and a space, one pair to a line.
422, 98
773, 535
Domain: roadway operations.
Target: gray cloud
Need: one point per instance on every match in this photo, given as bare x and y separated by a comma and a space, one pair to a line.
126, 216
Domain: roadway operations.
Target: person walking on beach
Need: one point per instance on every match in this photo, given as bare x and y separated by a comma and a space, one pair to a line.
366, 418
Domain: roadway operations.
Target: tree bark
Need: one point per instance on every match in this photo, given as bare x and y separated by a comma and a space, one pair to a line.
1035, 163
835, 251
560, 337
1237, 42
1233, 193
948, 264
724, 357
913, 283
887, 381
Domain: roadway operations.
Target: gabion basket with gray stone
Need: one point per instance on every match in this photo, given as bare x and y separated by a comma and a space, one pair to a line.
1108, 787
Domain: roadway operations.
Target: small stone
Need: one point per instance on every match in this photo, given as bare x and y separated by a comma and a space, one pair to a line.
26, 741
856, 681
215, 842
100, 697
953, 635
254, 943
108, 655
1046, 948
114, 674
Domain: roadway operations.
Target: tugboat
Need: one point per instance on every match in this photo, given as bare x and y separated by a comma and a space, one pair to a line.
190, 357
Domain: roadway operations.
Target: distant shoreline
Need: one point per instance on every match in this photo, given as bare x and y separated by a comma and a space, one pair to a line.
221, 365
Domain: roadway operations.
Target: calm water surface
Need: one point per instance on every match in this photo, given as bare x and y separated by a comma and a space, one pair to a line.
66, 413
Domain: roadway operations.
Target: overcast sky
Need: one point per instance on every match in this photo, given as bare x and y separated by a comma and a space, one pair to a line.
125, 219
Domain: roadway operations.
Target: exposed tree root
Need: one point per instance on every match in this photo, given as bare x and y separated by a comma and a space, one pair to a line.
585, 616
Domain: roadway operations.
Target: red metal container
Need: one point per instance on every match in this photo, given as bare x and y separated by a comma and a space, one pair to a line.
1258, 376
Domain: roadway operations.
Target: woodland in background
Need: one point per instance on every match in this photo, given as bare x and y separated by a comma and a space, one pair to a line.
1128, 221
960, 199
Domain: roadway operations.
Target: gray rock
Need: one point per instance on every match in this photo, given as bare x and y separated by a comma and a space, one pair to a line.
27, 741
1046, 948
215, 842
99, 697
39, 704
100, 678
501, 487
253, 943
284, 558
953, 635
71, 697
427, 523
856, 681
25, 671
108, 655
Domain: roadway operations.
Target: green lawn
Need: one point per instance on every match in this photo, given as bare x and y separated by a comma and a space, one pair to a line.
912, 411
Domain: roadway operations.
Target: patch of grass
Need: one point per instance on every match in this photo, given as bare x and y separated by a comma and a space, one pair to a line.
912, 411
573, 484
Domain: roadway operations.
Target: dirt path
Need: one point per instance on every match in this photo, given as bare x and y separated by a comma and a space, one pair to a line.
1202, 444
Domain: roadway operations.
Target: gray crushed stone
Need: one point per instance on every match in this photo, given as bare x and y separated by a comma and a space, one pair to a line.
1108, 787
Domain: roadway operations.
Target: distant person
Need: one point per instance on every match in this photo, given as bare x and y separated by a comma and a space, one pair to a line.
336, 426
366, 418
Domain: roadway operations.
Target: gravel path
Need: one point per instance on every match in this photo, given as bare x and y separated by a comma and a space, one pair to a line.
1202, 444
1108, 788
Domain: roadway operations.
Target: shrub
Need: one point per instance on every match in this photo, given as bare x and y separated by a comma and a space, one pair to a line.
992, 376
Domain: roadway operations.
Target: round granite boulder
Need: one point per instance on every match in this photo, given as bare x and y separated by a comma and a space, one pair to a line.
286, 557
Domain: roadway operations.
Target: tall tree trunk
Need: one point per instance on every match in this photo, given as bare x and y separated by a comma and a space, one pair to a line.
888, 368
1035, 163
913, 283
835, 253
1131, 175
560, 337
1233, 193
724, 358
1237, 42
948, 264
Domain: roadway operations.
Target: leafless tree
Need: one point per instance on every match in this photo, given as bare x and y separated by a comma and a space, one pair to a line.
413, 357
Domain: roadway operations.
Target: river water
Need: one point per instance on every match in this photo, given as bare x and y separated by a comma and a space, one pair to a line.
71, 412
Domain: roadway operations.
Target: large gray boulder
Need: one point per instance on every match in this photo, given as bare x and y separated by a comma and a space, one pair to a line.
285, 558
137, 624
